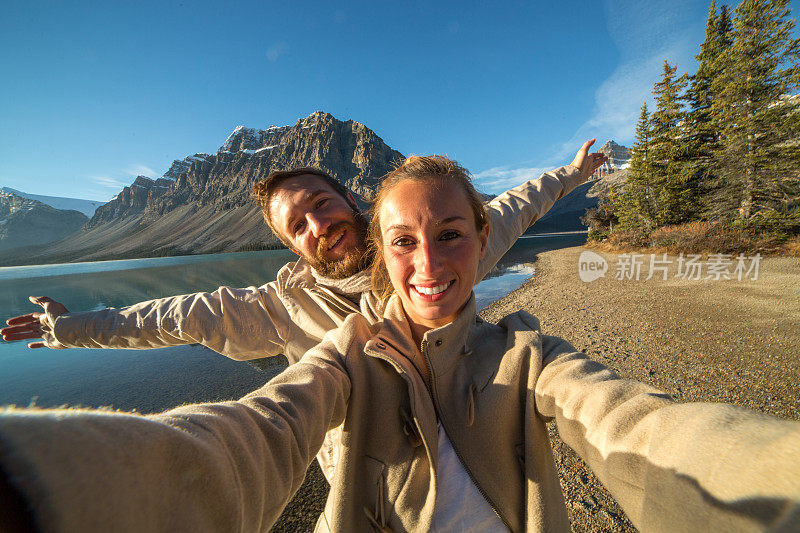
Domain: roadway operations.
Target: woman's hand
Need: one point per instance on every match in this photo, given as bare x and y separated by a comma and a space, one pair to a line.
587, 162
36, 325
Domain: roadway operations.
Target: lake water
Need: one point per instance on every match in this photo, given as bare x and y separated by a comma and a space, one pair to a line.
150, 380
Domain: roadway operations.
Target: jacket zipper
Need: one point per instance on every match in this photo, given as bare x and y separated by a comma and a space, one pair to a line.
435, 398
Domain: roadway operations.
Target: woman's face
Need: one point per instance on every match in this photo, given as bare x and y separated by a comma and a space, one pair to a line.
431, 249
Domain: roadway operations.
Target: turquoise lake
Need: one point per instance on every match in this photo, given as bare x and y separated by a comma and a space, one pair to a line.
151, 380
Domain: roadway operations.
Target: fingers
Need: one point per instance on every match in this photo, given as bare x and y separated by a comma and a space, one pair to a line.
588, 144
36, 345
31, 330
25, 335
23, 319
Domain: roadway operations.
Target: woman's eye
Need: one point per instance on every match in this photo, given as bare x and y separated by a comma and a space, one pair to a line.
448, 235
402, 241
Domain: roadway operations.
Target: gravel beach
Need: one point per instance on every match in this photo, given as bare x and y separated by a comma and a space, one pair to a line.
706, 340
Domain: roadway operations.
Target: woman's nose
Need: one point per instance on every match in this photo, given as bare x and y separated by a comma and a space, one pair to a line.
427, 259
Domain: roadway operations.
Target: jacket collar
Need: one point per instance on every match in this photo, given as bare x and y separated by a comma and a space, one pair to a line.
300, 275
443, 345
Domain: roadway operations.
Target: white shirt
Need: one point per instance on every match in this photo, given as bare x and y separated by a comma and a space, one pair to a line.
459, 504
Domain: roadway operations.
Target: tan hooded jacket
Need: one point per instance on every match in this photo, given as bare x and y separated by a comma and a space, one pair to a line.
293, 313
233, 466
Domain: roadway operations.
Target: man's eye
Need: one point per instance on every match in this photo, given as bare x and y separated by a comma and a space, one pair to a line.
321, 203
449, 235
299, 227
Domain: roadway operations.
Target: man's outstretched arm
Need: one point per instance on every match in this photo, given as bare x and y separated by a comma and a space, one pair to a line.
238, 323
514, 211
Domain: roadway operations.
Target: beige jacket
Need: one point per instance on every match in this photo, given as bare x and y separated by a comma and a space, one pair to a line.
233, 466
293, 313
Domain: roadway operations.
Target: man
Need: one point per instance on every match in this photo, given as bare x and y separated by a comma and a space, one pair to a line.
317, 218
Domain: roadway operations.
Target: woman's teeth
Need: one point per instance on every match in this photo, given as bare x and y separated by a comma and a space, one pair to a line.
432, 290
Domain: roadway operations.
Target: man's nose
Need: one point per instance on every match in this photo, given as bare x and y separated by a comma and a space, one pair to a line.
427, 258
317, 224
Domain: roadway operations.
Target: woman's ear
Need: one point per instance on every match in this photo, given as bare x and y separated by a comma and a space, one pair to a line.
483, 236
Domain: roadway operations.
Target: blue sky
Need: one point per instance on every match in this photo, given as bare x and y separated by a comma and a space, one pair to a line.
94, 93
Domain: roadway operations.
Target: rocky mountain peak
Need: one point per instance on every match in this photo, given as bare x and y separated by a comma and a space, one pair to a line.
618, 155
202, 203
619, 158
243, 139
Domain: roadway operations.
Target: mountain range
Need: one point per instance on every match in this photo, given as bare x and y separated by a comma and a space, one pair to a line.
26, 222
87, 207
202, 203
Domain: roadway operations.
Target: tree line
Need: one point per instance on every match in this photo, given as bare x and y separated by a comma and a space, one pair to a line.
722, 144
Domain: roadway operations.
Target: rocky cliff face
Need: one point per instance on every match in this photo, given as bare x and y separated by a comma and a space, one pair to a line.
25, 222
202, 203
619, 158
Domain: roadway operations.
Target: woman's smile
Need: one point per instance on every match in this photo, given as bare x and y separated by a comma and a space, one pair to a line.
432, 293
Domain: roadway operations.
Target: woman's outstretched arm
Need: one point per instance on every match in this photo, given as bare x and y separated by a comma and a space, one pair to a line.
672, 466
229, 466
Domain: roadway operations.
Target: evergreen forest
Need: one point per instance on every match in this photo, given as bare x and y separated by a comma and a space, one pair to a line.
717, 157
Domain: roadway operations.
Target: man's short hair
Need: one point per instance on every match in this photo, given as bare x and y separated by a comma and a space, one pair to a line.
264, 190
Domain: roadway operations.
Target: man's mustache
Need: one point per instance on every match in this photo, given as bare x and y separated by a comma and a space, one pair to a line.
325, 240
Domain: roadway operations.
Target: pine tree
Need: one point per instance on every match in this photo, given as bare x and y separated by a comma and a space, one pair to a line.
701, 124
672, 197
759, 153
635, 206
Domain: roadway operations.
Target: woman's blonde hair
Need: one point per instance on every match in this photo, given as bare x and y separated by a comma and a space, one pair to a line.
436, 169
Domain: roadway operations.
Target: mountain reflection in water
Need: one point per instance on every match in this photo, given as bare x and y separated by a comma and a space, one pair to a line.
152, 380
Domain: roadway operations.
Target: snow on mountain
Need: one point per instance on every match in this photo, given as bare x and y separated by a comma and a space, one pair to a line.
87, 207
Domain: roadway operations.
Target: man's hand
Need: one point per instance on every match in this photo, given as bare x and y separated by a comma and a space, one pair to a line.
587, 162
36, 325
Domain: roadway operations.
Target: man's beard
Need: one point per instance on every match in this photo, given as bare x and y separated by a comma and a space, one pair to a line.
354, 260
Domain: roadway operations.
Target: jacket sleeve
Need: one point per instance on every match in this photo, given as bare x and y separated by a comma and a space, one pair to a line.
514, 211
238, 323
228, 466
672, 466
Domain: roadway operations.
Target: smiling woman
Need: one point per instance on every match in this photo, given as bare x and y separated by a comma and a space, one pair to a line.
428, 254
442, 418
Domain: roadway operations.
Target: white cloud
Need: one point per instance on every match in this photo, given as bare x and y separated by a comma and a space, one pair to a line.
498, 179
140, 170
106, 181
646, 34
276, 50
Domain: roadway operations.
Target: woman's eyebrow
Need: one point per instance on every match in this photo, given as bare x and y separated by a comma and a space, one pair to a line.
442, 222
398, 226
449, 220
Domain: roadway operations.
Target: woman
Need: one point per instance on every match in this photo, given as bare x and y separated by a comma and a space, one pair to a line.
443, 419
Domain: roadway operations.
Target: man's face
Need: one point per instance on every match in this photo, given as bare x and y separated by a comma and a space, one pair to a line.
321, 226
